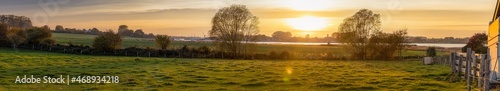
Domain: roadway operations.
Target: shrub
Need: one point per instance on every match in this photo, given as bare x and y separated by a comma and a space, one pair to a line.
48, 41
273, 55
108, 41
37, 34
431, 52
204, 50
284, 55
163, 41
16, 36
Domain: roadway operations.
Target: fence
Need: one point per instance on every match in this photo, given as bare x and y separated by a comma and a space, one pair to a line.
472, 67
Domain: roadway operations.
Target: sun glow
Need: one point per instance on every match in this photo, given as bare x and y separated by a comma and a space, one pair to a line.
308, 23
308, 5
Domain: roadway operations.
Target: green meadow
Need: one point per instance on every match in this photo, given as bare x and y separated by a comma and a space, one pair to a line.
173, 74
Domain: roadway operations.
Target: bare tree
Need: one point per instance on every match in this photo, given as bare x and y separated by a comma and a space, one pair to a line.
163, 41
234, 28
356, 31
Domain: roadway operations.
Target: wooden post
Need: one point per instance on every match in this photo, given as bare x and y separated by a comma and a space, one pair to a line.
149, 54
481, 71
459, 70
467, 63
487, 71
452, 63
468, 69
473, 64
487, 75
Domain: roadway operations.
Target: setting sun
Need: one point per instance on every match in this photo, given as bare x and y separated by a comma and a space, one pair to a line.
308, 23
308, 5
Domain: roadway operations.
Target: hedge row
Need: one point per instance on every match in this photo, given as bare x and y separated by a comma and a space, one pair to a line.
185, 52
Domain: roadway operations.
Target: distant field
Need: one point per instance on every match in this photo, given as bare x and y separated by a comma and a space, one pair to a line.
217, 74
78, 39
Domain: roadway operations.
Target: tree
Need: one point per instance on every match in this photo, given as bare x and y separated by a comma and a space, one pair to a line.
16, 21
355, 32
234, 28
384, 45
108, 41
163, 41
151, 35
477, 43
3, 34
282, 36
36, 34
16, 37
398, 40
95, 31
139, 33
123, 30
59, 28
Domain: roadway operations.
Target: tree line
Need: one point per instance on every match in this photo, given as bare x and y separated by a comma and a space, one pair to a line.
14, 36
122, 30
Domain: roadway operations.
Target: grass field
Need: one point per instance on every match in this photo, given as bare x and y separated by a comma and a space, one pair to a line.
217, 74
80, 39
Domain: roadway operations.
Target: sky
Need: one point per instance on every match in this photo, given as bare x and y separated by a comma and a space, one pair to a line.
430, 18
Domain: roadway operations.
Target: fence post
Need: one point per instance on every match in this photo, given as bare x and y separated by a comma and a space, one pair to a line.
149, 54
487, 75
468, 69
460, 61
452, 63
473, 65
487, 71
481, 71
